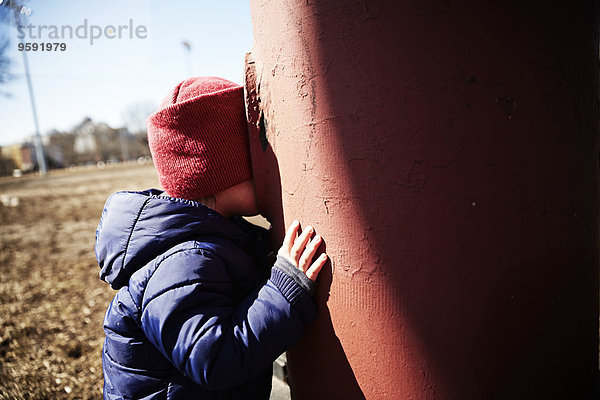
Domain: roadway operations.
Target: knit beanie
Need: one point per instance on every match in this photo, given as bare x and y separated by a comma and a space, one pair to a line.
199, 138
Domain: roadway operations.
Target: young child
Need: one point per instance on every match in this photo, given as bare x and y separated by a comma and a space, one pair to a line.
198, 314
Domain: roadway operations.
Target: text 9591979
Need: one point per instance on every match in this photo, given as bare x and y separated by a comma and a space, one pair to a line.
42, 46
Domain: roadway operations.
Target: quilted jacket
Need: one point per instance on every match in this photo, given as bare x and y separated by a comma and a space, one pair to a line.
195, 316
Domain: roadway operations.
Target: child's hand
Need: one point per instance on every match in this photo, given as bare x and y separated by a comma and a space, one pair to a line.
300, 250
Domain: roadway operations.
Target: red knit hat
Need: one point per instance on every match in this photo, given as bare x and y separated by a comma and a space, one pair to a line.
199, 138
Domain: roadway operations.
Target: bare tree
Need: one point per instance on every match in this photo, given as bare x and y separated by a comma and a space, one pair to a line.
6, 8
5, 11
5, 74
134, 117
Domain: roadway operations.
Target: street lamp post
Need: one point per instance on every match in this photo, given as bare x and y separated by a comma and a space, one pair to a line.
39, 146
187, 48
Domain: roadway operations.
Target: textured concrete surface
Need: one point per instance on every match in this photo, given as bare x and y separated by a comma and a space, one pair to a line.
448, 154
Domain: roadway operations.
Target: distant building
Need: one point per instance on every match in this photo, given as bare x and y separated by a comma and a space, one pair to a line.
16, 156
87, 142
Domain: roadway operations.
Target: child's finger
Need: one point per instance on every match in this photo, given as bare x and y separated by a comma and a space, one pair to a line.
315, 268
300, 243
290, 236
309, 253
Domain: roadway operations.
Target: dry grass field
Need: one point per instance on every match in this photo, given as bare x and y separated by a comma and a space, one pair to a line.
51, 300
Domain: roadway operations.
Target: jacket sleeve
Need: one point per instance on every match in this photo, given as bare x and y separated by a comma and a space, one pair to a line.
189, 312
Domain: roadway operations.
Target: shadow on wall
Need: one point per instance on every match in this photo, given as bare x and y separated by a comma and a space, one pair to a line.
481, 216
500, 293
332, 359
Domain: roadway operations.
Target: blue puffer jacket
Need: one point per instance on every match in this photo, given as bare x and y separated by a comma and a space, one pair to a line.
195, 315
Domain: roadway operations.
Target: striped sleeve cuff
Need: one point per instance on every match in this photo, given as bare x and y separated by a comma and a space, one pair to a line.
296, 293
301, 279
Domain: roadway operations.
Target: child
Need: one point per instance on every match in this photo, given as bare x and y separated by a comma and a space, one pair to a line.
195, 315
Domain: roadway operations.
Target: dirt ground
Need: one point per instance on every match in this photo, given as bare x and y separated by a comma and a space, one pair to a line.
51, 301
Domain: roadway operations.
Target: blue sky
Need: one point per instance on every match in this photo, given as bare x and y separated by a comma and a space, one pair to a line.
102, 80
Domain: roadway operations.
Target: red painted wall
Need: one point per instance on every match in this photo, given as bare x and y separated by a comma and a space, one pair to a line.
448, 154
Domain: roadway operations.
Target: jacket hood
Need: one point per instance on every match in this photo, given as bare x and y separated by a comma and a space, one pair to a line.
136, 227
